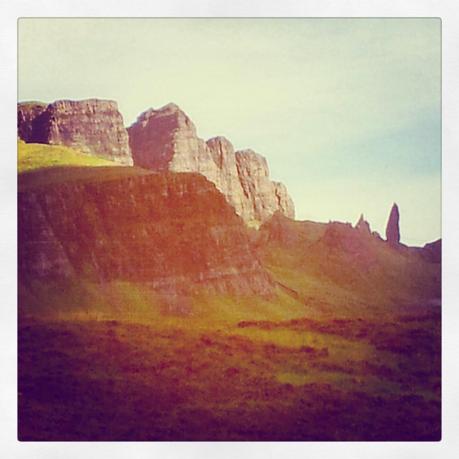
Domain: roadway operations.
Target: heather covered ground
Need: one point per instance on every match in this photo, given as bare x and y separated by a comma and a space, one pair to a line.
297, 379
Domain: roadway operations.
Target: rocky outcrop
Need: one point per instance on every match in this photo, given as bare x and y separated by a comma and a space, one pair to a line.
28, 114
91, 126
166, 139
392, 228
363, 225
174, 233
432, 251
265, 197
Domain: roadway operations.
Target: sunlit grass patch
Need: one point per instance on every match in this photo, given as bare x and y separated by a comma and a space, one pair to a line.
33, 156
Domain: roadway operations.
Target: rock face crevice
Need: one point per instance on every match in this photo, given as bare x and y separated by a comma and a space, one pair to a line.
92, 126
166, 139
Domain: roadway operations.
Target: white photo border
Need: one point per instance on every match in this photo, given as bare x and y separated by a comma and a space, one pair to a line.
448, 11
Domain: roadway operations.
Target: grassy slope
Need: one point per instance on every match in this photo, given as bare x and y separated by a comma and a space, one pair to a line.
33, 156
42, 165
375, 281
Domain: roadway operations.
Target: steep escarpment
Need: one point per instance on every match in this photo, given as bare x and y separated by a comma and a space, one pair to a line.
91, 126
166, 139
172, 232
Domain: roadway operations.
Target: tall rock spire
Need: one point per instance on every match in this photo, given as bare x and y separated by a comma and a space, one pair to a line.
392, 228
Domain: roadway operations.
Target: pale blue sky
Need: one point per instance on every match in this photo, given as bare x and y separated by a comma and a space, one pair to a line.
346, 111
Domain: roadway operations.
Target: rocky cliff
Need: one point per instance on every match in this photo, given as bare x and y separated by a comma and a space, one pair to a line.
92, 126
166, 139
173, 232
28, 120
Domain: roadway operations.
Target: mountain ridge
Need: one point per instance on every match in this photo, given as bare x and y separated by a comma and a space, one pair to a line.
160, 139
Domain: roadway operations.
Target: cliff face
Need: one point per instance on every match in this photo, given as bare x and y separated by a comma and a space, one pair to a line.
161, 140
166, 139
28, 113
265, 197
92, 126
173, 232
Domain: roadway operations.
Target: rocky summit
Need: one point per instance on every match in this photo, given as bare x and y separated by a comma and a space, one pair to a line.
166, 139
92, 126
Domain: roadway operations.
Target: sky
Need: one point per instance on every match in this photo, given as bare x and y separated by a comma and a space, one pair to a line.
347, 111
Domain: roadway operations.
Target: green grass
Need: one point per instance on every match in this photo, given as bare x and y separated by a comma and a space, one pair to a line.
32, 156
42, 165
137, 303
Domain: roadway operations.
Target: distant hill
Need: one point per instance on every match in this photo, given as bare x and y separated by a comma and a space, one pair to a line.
344, 269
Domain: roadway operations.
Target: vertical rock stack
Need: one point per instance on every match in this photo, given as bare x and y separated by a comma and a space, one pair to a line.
393, 228
166, 139
92, 126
